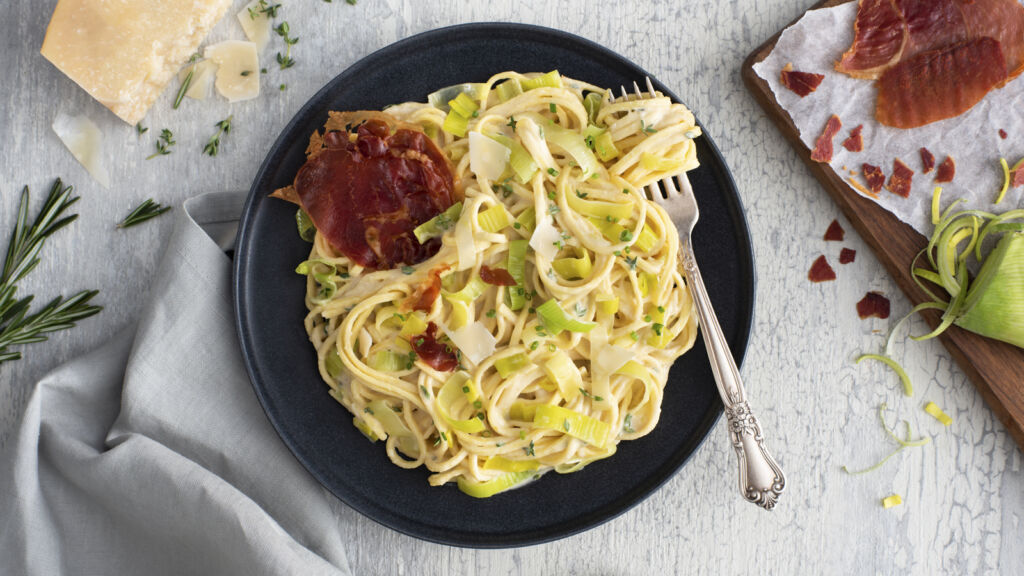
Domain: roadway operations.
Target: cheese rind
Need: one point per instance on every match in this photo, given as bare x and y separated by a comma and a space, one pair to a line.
124, 52
238, 69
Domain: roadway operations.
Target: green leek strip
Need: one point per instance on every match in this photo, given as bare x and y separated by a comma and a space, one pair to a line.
928, 275
645, 240
437, 225
522, 411
610, 230
936, 196
505, 465
607, 304
307, 230
324, 274
637, 370
394, 426
521, 162
953, 311
527, 221
569, 468
994, 306
998, 224
908, 388
333, 364
573, 268
470, 292
592, 104
460, 314
555, 319
599, 208
550, 80
509, 89
463, 105
510, 364
604, 147
414, 324
909, 442
455, 124
647, 282
561, 370
517, 269
573, 144
590, 430
363, 427
938, 414
494, 219
388, 361
654, 163
892, 500
492, 487
1006, 180
451, 394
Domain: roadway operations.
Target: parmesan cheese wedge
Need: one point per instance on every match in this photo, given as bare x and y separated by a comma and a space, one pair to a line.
238, 69
256, 24
202, 79
124, 53
85, 141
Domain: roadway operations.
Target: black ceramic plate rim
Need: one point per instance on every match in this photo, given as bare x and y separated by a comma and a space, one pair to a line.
374, 510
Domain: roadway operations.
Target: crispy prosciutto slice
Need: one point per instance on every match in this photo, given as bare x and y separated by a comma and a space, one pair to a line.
927, 160
946, 170
939, 84
879, 34
823, 145
835, 232
821, 271
874, 177
847, 255
366, 196
801, 83
901, 179
855, 142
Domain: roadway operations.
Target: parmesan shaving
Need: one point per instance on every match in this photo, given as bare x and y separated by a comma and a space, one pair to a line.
85, 141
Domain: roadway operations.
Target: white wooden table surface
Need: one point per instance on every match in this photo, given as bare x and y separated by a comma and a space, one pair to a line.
963, 493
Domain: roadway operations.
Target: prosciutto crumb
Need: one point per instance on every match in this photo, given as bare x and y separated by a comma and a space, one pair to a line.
900, 181
1002, 134
1017, 176
927, 161
820, 271
874, 177
823, 146
835, 232
873, 304
801, 83
855, 143
946, 170
847, 255
496, 276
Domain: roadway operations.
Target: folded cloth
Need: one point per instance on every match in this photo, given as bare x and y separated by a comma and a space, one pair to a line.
152, 455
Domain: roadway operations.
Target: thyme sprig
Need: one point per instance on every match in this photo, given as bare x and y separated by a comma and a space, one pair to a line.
284, 31
145, 211
17, 325
213, 144
163, 144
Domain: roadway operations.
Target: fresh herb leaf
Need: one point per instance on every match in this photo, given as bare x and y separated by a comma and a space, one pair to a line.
511, 122
145, 211
213, 144
141, 129
163, 144
407, 270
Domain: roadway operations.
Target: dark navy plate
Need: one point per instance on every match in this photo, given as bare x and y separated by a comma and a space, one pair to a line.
269, 308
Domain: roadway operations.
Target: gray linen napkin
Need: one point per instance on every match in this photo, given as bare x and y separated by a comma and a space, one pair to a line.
152, 455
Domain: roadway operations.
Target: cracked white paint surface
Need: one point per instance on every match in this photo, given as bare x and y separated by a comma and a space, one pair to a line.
963, 493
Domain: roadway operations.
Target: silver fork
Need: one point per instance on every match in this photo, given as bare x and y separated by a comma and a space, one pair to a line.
761, 478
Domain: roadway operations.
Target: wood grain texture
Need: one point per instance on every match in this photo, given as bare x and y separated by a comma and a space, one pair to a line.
996, 368
963, 493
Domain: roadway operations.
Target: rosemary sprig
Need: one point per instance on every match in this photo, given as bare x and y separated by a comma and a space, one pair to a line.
145, 211
285, 60
17, 325
213, 144
163, 144
187, 81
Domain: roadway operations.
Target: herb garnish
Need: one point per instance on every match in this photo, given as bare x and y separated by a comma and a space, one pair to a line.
145, 211
141, 129
285, 60
163, 144
213, 144
17, 326
186, 82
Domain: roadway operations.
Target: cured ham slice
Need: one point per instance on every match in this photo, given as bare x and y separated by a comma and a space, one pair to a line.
835, 232
927, 161
900, 181
879, 35
823, 145
847, 255
874, 177
939, 84
801, 83
931, 24
855, 142
1002, 20
946, 171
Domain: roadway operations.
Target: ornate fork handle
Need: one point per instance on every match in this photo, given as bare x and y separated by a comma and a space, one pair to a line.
761, 478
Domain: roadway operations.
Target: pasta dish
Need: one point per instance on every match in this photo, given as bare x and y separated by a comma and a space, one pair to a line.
489, 291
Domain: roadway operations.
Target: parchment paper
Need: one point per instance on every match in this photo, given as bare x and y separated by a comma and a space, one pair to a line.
816, 42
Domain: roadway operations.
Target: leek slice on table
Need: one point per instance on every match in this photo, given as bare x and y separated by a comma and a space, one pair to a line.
937, 413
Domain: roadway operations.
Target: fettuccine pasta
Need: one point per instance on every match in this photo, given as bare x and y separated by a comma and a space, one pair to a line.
554, 370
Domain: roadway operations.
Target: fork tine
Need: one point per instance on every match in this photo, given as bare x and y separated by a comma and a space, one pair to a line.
624, 96
636, 90
650, 86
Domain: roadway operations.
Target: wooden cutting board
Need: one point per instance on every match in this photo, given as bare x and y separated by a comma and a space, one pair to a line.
997, 369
